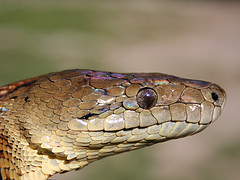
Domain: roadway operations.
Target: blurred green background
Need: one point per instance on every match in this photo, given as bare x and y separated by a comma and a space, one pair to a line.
193, 39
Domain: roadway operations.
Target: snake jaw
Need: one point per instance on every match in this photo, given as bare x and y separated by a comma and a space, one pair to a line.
65, 120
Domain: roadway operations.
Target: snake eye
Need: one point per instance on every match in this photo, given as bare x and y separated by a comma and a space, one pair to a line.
147, 98
215, 96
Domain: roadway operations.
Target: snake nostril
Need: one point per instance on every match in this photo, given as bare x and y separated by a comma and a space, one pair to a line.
215, 96
147, 98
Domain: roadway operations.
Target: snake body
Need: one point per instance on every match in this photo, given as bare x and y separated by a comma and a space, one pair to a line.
65, 120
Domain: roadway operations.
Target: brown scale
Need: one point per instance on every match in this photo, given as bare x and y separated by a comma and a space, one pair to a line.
65, 120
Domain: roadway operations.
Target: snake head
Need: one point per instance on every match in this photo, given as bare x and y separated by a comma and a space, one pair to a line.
67, 119
99, 110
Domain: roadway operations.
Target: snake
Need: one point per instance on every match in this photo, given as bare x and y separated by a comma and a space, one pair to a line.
63, 121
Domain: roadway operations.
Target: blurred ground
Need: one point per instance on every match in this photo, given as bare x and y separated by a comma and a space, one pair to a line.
192, 39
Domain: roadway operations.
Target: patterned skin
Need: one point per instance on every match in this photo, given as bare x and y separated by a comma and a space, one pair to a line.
64, 120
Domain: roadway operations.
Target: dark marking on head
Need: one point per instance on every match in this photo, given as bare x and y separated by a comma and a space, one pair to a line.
215, 96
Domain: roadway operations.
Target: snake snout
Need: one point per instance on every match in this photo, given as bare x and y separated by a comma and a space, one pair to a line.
214, 96
218, 95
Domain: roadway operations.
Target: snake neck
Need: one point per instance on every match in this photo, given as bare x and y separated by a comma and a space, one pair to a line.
15, 149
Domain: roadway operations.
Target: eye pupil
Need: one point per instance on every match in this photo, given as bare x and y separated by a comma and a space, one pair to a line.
214, 96
147, 98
